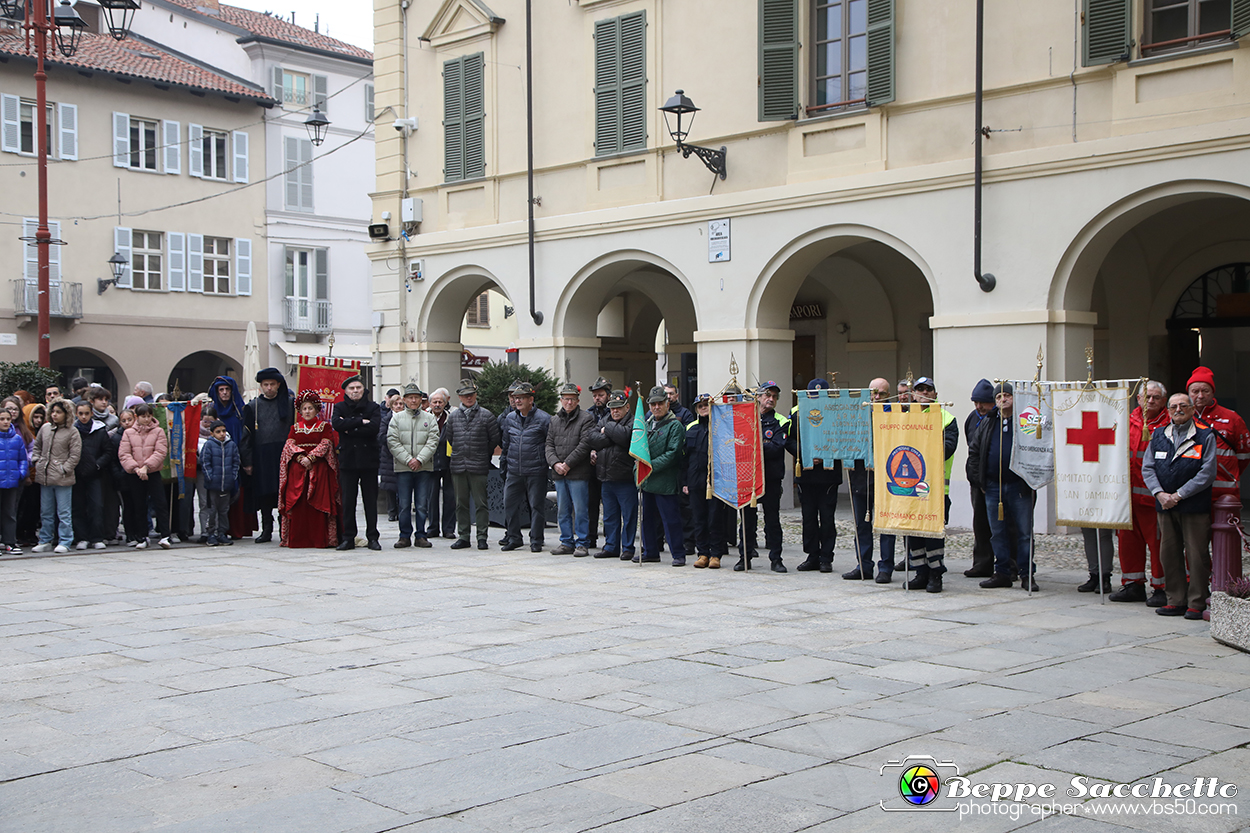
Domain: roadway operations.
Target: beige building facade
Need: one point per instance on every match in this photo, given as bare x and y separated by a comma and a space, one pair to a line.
155, 158
1116, 179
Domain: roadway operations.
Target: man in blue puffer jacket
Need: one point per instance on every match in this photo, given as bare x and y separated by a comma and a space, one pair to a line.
220, 461
14, 466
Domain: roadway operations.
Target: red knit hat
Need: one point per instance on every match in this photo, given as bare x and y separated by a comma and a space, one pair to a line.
1202, 374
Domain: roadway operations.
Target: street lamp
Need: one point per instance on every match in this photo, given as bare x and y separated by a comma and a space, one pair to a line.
680, 105
66, 28
118, 16
317, 124
117, 265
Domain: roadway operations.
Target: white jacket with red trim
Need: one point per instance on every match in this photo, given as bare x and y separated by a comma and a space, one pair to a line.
1232, 448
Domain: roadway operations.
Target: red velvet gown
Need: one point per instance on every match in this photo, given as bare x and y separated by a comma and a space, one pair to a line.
309, 506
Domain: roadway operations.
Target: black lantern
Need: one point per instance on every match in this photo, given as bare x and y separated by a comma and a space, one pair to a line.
117, 265
317, 124
677, 107
69, 28
118, 16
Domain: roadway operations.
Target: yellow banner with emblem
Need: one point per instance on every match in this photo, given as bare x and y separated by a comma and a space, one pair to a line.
909, 474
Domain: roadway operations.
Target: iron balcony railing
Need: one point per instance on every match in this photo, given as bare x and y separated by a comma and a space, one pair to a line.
304, 316
64, 298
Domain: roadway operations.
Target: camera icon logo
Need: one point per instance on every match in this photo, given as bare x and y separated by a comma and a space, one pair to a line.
919, 782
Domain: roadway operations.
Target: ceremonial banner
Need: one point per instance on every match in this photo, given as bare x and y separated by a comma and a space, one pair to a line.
1092, 485
737, 451
182, 423
161, 413
1033, 434
909, 484
326, 377
834, 425
639, 447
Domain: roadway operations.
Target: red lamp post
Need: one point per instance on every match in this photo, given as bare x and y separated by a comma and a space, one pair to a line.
66, 28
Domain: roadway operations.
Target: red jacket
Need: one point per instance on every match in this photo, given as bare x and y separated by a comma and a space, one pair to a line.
1138, 442
1232, 448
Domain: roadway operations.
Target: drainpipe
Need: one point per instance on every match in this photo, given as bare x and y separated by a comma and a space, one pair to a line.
987, 281
529, 148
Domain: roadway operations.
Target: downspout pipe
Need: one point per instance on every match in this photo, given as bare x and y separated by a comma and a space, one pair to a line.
529, 148
986, 281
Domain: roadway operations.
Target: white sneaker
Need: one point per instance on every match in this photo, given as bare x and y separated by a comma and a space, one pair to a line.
165, 543
81, 545
14, 550
98, 545
61, 549
141, 545
42, 548
132, 543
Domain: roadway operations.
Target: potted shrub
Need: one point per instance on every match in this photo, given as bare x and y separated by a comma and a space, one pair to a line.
1230, 614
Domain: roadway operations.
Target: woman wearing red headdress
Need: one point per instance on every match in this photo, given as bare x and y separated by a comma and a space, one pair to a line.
309, 480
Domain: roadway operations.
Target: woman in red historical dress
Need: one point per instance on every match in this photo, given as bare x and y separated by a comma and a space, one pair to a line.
309, 481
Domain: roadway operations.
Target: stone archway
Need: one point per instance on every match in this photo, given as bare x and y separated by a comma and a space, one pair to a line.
97, 367
195, 371
434, 355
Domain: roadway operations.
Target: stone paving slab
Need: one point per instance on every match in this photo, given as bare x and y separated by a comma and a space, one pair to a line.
439, 691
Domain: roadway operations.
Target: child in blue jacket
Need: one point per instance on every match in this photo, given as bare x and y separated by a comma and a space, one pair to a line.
14, 465
220, 461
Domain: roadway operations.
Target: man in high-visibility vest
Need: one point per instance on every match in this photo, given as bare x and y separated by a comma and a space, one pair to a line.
926, 556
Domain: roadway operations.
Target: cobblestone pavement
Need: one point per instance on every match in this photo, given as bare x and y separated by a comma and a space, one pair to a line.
251, 688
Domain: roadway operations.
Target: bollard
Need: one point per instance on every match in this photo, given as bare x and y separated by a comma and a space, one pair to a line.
1225, 544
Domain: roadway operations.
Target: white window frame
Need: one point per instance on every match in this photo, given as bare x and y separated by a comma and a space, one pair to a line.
209, 155
213, 261
298, 174
25, 106
145, 254
139, 127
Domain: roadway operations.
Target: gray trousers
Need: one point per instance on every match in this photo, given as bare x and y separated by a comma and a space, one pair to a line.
474, 486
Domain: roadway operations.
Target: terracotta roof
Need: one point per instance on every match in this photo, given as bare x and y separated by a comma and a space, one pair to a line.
137, 59
269, 26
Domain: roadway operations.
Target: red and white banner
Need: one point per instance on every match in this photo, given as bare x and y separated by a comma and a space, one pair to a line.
325, 376
1092, 487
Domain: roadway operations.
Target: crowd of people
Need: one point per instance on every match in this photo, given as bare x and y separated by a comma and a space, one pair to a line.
73, 468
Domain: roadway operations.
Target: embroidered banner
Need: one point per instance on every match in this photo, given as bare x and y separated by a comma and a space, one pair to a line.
835, 425
326, 377
181, 421
908, 482
1033, 434
737, 455
1092, 486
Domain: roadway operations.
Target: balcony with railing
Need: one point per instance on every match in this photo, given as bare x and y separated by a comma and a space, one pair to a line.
65, 298
303, 316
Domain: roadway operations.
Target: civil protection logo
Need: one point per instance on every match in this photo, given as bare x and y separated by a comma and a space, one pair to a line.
1030, 420
905, 471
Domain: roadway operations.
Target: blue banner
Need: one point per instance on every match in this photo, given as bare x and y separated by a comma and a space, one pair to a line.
834, 425
177, 443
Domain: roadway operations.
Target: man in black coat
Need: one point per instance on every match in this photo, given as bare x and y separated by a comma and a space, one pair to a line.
817, 486
356, 420
599, 392
268, 418
473, 434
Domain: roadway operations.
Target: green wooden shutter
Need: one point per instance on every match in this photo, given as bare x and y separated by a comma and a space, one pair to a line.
779, 60
474, 116
1241, 18
633, 81
464, 118
880, 52
1106, 31
607, 86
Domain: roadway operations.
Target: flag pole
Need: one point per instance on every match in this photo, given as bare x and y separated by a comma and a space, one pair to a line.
641, 522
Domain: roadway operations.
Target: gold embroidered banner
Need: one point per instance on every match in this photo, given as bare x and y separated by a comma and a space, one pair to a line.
909, 484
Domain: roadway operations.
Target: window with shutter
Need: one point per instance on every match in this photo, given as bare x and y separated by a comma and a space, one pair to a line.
10, 130
1106, 33
464, 118
195, 262
478, 314
172, 135
177, 261
321, 88
69, 131
880, 88
242, 266
779, 60
1178, 25
195, 149
31, 252
369, 103
620, 84
121, 245
121, 140
239, 143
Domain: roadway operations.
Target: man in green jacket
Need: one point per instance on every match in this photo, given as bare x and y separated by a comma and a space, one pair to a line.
661, 505
411, 438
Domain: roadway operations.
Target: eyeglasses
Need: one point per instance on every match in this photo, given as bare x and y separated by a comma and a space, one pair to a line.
1180, 407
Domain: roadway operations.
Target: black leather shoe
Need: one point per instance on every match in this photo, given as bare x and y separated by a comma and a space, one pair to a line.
808, 565
263, 538
1025, 584
460, 544
885, 578
934, 585
401, 543
1158, 598
778, 567
374, 545
536, 547
1135, 592
978, 573
900, 566
423, 543
1171, 610
853, 575
1190, 613
606, 554
918, 583
740, 566
997, 580
510, 546
482, 545
346, 545
826, 566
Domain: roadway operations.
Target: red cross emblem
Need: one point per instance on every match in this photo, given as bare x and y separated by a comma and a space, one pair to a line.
1090, 436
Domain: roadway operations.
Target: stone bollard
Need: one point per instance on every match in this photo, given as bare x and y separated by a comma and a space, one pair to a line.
1225, 543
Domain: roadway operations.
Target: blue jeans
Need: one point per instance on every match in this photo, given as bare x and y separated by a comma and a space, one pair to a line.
410, 487
662, 511
56, 504
1018, 512
573, 506
620, 516
861, 506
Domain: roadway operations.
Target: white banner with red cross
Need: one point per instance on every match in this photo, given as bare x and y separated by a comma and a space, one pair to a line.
1092, 487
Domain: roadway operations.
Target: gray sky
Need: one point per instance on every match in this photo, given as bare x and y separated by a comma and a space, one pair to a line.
350, 21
